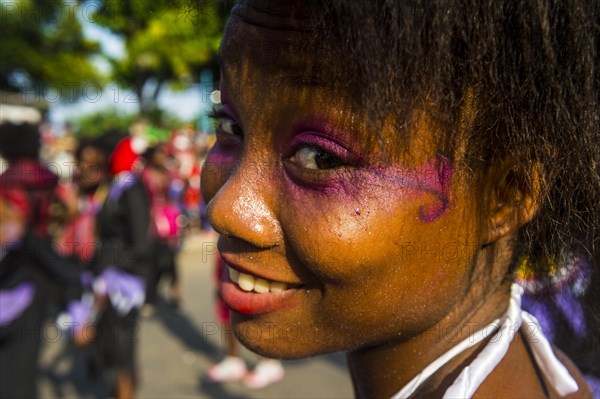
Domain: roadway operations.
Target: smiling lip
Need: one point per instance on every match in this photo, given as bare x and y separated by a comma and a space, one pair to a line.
252, 303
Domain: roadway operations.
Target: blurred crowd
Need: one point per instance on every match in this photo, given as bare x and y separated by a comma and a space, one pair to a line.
89, 227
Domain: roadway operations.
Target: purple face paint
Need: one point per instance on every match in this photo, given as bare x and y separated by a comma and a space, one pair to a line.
314, 139
219, 157
350, 174
354, 175
226, 149
338, 148
434, 178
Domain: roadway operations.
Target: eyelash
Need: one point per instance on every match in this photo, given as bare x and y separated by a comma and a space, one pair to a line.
224, 137
293, 158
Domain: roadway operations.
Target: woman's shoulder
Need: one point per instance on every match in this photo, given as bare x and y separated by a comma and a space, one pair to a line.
519, 375
584, 390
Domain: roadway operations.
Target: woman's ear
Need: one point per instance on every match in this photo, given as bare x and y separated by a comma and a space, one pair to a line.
513, 192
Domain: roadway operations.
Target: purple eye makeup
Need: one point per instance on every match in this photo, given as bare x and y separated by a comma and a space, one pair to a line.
331, 153
229, 136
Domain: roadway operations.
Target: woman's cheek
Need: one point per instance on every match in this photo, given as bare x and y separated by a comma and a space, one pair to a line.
334, 234
342, 230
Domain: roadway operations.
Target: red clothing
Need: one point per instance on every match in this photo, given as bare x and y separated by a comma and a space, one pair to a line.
40, 185
164, 211
78, 238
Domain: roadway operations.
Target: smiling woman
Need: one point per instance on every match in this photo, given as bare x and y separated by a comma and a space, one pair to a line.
380, 169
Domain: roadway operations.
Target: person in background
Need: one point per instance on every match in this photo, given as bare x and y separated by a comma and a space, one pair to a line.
20, 146
84, 197
159, 178
28, 266
123, 263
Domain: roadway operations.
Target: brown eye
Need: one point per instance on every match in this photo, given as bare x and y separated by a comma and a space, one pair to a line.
315, 159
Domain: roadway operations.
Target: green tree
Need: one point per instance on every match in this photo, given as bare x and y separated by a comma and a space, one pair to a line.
102, 121
97, 123
42, 48
166, 42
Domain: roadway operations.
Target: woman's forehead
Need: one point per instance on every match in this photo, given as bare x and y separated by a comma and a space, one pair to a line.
273, 47
279, 47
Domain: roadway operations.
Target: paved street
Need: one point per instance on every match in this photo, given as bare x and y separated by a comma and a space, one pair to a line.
176, 349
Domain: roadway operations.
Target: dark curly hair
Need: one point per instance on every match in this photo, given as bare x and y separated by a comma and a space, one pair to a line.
19, 140
529, 69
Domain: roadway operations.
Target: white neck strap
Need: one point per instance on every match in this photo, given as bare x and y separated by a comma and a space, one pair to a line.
505, 328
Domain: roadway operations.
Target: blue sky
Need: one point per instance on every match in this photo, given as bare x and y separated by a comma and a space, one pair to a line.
185, 105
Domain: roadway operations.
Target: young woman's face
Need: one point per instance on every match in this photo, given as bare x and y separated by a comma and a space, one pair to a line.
370, 251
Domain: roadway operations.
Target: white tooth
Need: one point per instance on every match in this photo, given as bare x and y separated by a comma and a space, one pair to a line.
261, 286
233, 274
277, 287
246, 282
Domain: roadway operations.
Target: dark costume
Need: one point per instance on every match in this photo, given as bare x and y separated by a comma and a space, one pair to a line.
123, 257
25, 270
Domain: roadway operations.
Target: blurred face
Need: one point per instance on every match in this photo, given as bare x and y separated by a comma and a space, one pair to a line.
12, 223
160, 156
330, 244
90, 172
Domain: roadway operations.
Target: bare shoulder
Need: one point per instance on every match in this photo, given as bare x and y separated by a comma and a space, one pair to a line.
517, 376
584, 391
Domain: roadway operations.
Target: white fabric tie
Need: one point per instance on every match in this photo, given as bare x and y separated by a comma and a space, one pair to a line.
475, 373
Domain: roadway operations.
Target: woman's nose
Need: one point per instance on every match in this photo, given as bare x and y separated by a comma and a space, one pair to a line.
243, 205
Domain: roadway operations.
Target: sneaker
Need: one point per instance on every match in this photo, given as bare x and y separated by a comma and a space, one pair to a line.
267, 372
229, 369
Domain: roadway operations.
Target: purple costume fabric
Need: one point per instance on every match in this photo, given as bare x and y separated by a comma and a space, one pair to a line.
594, 384
81, 313
120, 183
14, 301
567, 303
125, 291
562, 293
563, 304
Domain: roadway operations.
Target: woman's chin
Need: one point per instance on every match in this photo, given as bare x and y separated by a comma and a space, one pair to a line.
288, 342
284, 352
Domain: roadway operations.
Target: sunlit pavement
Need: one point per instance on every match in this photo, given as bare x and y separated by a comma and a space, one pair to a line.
177, 347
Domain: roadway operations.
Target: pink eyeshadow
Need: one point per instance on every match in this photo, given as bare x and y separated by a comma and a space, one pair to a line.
433, 178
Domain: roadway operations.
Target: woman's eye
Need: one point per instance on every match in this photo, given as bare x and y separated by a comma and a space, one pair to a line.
229, 126
315, 159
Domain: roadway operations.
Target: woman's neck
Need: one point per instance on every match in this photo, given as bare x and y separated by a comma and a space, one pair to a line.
383, 370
